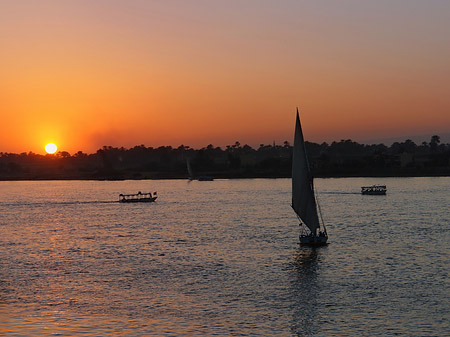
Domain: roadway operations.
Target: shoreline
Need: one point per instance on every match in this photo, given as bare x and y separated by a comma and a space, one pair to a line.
230, 177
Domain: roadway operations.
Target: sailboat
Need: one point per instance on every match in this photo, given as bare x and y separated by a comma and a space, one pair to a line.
189, 169
303, 198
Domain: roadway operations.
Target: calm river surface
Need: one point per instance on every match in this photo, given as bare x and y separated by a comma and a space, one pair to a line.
222, 258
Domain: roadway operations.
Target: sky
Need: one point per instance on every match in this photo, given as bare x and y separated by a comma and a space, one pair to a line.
90, 73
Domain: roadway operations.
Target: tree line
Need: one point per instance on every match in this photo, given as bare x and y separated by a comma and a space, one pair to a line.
345, 158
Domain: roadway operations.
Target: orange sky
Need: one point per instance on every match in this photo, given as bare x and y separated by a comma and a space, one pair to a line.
84, 74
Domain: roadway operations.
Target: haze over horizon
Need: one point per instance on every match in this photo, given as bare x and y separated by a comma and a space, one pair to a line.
86, 74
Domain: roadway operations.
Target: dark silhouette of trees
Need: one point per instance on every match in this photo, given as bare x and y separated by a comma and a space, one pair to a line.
343, 158
435, 140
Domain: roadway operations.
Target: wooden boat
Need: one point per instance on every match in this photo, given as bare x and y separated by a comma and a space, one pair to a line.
303, 198
138, 197
374, 190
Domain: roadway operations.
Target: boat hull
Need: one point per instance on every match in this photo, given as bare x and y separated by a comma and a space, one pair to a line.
374, 193
139, 200
308, 240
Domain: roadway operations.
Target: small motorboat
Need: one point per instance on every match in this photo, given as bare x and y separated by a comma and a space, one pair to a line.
138, 197
374, 190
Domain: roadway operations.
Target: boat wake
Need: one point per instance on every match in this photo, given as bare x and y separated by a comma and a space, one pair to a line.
339, 193
47, 203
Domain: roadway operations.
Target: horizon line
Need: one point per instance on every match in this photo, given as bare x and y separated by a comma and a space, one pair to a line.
273, 144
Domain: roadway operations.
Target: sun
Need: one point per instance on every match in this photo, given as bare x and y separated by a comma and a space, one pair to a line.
51, 148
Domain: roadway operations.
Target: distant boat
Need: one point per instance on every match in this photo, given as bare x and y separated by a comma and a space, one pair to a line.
191, 174
189, 169
303, 198
205, 178
138, 197
374, 190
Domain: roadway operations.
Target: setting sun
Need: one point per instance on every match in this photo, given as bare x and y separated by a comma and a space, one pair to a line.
51, 148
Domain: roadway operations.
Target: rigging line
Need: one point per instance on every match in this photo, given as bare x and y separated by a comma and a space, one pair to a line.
320, 209
298, 218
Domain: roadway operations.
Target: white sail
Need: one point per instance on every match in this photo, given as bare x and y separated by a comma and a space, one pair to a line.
191, 174
303, 201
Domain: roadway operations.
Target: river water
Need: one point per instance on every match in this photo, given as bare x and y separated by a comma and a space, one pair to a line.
222, 258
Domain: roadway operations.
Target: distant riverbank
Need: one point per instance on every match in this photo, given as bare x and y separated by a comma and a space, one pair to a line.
338, 159
163, 176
